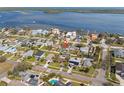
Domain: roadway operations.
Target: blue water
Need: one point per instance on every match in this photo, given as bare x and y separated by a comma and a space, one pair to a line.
113, 23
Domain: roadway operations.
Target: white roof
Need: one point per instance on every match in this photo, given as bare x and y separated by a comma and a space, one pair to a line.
75, 59
84, 49
87, 62
3, 48
39, 31
28, 53
11, 50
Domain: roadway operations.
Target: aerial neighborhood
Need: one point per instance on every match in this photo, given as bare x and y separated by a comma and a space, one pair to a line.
55, 57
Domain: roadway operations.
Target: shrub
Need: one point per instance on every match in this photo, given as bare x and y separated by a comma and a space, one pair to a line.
2, 59
23, 67
2, 83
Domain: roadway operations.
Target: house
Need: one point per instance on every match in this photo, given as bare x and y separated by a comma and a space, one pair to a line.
120, 69
93, 37
75, 61
38, 43
71, 35
30, 79
78, 38
73, 48
28, 53
119, 53
39, 55
55, 31
40, 31
49, 58
49, 43
87, 62
63, 57
3, 47
103, 43
84, 50
11, 50
21, 32
25, 31
4, 29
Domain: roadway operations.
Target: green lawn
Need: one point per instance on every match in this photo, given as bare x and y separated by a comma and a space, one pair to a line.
13, 77
118, 45
30, 59
1, 52
44, 48
15, 58
120, 59
56, 66
90, 73
46, 54
22, 48
42, 63
8, 55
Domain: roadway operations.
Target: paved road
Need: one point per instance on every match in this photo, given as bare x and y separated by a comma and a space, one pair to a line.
65, 74
100, 78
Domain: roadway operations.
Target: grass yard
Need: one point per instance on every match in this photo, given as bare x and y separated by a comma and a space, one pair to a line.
1, 52
42, 63
56, 66
15, 58
30, 59
22, 48
44, 48
90, 73
8, 55
119, 60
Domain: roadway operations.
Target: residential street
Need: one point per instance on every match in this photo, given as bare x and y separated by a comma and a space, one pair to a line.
100, 78
65, 74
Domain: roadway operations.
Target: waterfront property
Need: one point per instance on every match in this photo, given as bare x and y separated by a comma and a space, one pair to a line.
40, 31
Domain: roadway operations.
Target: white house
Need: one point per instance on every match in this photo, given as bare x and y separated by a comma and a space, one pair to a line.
28, 53
119, 52
87, 62
40, 31
71, 35
56, 31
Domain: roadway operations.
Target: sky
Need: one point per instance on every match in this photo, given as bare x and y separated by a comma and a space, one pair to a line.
62, 3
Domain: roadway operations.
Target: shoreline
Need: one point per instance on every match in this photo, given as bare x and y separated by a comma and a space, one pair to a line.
56, 10
65, 29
